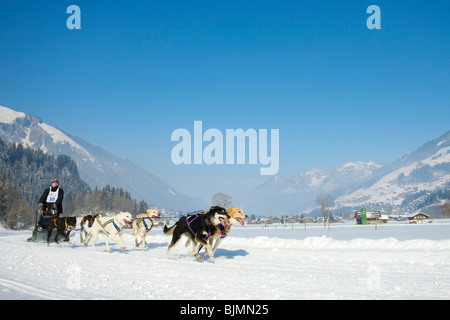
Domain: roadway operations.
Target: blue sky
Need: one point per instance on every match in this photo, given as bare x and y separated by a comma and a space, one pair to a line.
137, 70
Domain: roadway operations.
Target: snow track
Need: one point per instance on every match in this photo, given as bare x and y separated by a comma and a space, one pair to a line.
16, 289
346, 262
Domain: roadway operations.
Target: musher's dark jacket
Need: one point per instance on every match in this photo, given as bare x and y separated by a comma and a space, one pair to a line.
58, 202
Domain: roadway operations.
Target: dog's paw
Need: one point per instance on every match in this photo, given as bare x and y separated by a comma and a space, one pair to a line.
199, 257
123, 248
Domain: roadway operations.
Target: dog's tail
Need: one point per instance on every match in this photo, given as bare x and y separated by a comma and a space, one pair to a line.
170, 230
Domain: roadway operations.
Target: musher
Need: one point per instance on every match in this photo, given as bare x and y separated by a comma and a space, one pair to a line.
52, 197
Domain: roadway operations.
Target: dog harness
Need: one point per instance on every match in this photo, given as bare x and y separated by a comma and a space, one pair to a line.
103, 225
192, 218
65, 223
66, 227
147, 229
222, 231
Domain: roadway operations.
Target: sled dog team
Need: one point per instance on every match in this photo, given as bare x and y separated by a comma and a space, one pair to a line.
201, 228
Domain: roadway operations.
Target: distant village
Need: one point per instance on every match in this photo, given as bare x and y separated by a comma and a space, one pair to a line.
372, 217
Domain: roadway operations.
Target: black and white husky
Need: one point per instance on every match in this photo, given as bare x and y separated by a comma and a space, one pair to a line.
199, 228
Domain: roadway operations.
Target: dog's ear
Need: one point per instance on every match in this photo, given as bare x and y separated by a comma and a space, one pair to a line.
217, 208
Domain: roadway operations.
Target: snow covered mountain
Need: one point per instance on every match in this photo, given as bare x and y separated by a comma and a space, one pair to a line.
404, 185
291, 195
348, 176
96, 166
412, 182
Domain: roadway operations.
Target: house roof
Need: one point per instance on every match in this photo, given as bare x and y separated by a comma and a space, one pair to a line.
412, 215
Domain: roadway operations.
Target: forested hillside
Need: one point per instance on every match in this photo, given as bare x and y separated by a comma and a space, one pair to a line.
32, 171
26, 172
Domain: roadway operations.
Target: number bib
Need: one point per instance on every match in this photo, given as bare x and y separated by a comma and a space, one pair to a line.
52, 196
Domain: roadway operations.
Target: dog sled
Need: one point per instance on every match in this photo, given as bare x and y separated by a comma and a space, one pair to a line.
42, 219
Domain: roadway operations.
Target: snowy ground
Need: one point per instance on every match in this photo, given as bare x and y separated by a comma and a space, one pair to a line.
347, 262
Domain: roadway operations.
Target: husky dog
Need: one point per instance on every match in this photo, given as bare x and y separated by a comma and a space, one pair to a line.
142, 224
199, 228
109, 227
62, 225
236, 215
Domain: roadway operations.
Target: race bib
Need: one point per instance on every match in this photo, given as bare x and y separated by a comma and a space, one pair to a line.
52, 196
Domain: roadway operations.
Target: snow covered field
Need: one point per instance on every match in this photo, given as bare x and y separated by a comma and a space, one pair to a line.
347, 262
